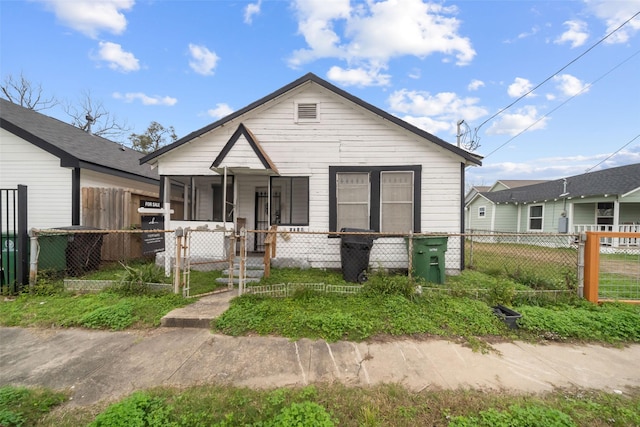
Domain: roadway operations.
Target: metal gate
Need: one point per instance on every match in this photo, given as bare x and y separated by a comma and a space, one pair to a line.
262, 218
14, 257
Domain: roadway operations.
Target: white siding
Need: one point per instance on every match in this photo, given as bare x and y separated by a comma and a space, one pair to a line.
48, 185
346, 135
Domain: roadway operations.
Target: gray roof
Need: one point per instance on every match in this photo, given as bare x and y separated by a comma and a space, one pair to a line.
513, 183
74, 147
310, 77
614, 181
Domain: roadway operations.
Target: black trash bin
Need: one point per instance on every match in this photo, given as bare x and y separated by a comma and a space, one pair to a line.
355, 250
84, 250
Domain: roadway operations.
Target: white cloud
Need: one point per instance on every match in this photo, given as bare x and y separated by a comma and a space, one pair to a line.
435, 113
116, 58
519, 87
550, 167
91, 17
145, 99
576, 34
475, 85
250, 10
221, 110
203, 61
370, 34
570, 85
358, 77
526, 118
614, 13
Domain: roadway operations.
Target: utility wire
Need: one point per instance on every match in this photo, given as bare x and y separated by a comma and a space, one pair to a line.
557, 72
613, 154
584, 89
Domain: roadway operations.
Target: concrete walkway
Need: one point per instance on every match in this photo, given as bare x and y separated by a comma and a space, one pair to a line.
97, 365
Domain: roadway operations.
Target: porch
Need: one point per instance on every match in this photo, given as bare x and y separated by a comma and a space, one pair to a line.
609, 241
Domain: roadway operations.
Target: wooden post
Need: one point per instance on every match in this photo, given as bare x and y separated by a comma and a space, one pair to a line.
267, 256
243, 259
231, 253
591, 266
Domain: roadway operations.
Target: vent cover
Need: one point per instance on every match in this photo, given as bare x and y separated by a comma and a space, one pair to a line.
307, 111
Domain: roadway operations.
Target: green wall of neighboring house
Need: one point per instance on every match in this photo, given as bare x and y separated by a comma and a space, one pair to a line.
505, 218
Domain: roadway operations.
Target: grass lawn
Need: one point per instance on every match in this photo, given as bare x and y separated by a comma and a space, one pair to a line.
324, 405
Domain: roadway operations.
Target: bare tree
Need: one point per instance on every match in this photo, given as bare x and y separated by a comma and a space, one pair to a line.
25, 93
153, 138
91, 116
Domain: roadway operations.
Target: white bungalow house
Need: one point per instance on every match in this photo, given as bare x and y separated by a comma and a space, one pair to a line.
604, 200
312, 157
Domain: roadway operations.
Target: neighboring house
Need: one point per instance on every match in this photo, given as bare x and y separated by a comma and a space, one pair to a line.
501, 184
60, 163
312, 157
605, 200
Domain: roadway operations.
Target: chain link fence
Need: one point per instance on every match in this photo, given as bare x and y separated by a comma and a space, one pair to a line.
541, 261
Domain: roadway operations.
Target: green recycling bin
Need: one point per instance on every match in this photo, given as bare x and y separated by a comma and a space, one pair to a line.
51, 255
428, 258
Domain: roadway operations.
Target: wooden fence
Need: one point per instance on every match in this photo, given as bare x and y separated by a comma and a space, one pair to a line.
115, 209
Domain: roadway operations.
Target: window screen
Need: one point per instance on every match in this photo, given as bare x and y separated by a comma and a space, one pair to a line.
352, 191
396, 200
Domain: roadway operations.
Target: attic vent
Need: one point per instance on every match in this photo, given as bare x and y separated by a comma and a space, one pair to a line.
307, 111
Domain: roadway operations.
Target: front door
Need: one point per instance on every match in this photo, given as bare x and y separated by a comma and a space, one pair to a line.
262, 217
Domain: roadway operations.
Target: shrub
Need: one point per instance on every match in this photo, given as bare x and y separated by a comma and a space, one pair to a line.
115, 317
381, 284
305, 414
138, 410
516, 416
135, 280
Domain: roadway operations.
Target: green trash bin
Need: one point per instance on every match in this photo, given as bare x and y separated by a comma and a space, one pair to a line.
51, 255
428, 258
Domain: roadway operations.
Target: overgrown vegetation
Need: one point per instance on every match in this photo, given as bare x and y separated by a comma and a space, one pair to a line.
336, 404
389, 304
21, 406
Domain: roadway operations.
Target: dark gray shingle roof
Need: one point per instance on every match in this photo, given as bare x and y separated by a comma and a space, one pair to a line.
613, 181
74, 147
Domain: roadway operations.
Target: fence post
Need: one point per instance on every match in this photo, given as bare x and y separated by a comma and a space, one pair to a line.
581, 243
243, 260
33, 257
471, 249
176, 274
591, 266
267, 255
231, 251
410, 254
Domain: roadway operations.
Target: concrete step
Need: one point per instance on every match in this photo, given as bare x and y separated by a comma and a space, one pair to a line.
236, 280
249, 273
200, 313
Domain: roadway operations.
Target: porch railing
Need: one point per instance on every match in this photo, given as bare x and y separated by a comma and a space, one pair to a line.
611, 241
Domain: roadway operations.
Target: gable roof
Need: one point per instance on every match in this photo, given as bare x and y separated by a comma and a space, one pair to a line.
74, 147
614, 181
310, 77
253, 142
514, 183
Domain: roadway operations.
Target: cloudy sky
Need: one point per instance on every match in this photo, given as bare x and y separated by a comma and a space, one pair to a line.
548, 89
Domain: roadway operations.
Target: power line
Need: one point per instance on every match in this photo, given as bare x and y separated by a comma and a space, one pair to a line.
584, 89
614, 153
557, 72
